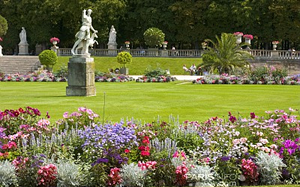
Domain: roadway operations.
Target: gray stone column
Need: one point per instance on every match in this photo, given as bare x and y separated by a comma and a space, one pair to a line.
81, 77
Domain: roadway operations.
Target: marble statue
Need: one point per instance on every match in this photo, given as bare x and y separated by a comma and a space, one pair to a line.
22, 35
112, 35
84, 38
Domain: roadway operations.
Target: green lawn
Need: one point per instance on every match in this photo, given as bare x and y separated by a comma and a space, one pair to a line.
146, 101
138, 65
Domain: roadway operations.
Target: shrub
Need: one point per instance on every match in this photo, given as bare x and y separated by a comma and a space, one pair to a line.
68, 174
155, 72
154, 37
48, 58
3, 26
269, 167
7, 174
124, 58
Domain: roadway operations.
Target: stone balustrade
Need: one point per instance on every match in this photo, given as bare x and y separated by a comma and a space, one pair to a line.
257, 53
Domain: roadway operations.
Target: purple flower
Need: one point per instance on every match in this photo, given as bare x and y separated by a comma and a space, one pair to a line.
225, 158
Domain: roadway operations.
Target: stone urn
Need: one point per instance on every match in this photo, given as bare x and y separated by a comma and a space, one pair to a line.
238, 36
165, 44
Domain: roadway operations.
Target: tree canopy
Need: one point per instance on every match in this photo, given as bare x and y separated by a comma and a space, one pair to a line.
186, 23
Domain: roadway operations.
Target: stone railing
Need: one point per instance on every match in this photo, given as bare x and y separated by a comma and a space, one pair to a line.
272, 54
137, 52
257, 53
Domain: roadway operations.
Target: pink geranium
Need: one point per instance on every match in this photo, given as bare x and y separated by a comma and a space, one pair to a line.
47, 175
54, 39
249, 36
238, 33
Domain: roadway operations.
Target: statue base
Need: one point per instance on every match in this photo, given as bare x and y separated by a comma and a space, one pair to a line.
23, 49
81, 77
112, 49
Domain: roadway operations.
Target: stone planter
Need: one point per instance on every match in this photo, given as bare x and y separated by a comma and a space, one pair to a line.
124, 71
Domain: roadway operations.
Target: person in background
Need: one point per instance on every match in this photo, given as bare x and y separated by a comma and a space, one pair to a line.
185, 68
193, 69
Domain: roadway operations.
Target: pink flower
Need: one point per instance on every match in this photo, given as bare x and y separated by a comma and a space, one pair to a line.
66, 115
236, 141
249, 36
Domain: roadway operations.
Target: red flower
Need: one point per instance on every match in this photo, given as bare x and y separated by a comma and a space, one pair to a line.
145, 153
127, 151
142, 148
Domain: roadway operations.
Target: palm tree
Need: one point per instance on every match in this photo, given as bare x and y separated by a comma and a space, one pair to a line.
225, 55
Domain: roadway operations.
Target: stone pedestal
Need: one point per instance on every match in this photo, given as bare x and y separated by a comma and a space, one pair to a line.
1, 51
81, 77
274, 54
23, 49
55, 49
112, 49
164, 53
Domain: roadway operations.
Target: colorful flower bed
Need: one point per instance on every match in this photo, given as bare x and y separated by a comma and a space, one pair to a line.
111, 77
160, 78
78, 150
41, 76
45, 76
226, 79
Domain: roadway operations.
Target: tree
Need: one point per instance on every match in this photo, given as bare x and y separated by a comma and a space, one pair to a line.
154, 37
225, 55
3, 26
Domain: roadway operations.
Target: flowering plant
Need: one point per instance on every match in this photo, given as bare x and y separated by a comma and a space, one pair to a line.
165, 42
47, 175
275, 42
238, 33
249, 36
127, 42
1, 39
54, 39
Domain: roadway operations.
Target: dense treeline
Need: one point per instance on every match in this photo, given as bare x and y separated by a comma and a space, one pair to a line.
186, 23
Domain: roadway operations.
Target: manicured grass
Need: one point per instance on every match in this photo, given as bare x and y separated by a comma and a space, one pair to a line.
138, 65
147, 101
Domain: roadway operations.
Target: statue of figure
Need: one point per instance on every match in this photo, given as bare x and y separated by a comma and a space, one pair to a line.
23, 36
112, 35
84, 35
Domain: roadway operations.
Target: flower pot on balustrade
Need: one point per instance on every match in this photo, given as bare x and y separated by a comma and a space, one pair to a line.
124, 71
248, 41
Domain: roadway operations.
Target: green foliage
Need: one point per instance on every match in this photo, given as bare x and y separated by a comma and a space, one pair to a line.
201, 175
68, 174
98, 175
225, 55
48, 58
7, 174
227, 171
155, 72
124, 58
132, 175
3, 26
270, 166
154, 37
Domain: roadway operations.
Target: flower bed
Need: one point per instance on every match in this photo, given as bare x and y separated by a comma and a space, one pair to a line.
112, 78
226, 79
45, 76
156, 79
41, 76
80, 151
